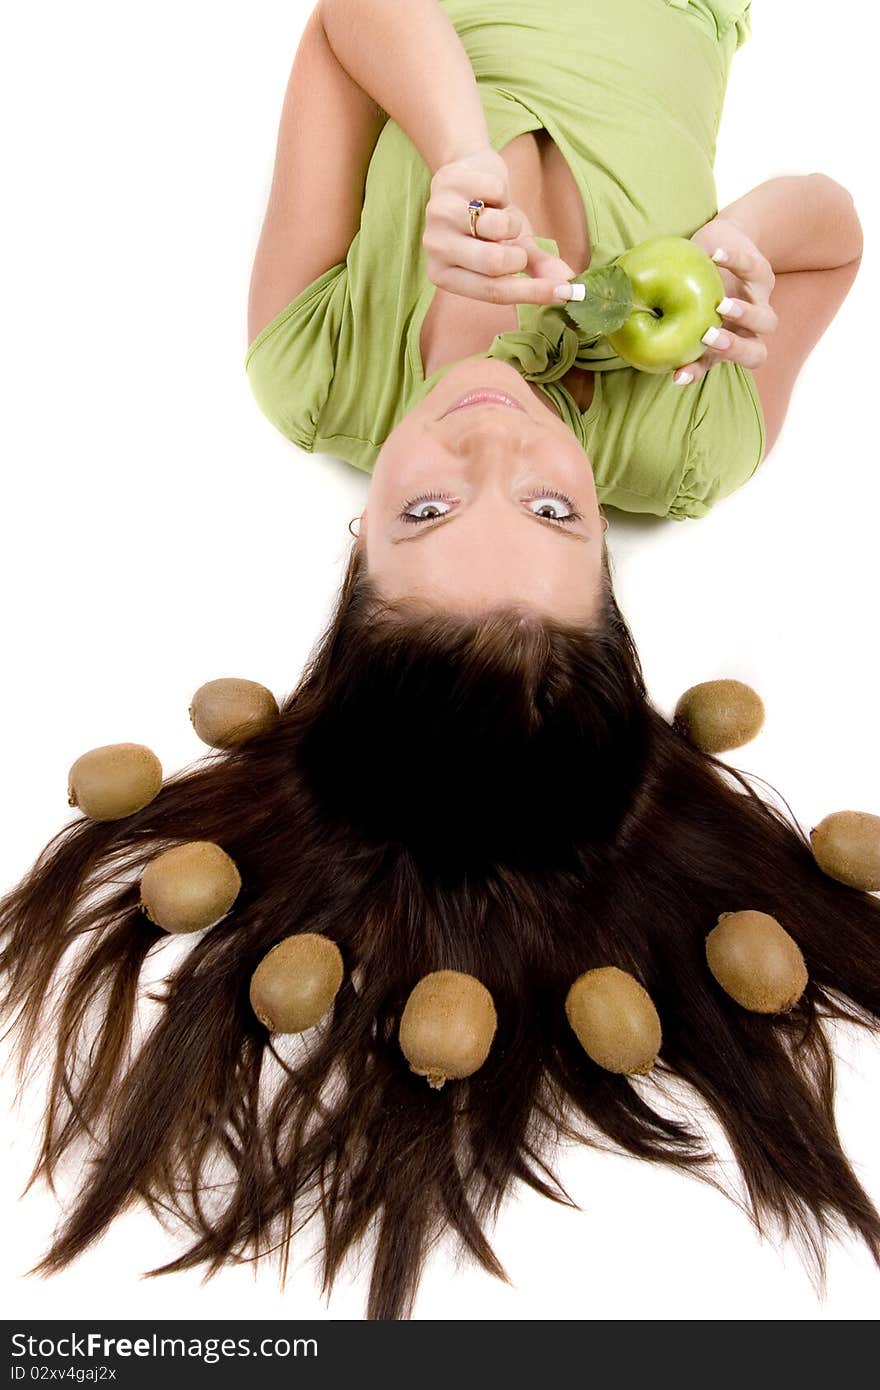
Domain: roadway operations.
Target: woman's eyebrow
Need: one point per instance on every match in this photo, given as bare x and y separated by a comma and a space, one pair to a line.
451, 516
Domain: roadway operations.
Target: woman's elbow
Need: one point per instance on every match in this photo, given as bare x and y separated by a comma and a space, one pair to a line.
846, 218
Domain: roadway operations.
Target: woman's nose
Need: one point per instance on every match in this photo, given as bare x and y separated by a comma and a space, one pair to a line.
488, 440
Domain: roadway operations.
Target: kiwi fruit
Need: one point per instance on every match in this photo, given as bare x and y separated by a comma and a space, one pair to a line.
189, 887
229, 711
846, 846
718, 715
447, 1026
114, 780
294, 986
756, 962
614, 1019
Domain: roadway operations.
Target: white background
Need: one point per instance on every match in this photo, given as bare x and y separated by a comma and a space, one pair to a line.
157, 532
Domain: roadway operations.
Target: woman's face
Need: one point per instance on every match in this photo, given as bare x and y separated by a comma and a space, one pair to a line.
485, 506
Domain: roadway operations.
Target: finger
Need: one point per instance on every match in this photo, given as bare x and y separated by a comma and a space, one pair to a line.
690, 374
693, 372
492, 224
490, 258
746, 261
746, 316
543, 265
748, 352
448, 212
498, 289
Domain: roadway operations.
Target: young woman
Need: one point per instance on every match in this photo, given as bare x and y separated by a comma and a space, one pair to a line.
470, 775
374, 310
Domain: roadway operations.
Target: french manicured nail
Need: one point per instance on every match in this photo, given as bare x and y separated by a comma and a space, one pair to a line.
719, 254
716, 337
578, 291
682, 377
728, 308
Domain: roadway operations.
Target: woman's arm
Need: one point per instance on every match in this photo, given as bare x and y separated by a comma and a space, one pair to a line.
328, 131
808, 228
407, 56
358, 62
806, 246
800, 222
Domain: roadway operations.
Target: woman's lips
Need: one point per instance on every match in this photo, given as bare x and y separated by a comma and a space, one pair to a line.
484, 396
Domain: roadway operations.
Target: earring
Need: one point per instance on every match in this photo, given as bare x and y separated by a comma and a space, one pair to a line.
604, 521
351, 523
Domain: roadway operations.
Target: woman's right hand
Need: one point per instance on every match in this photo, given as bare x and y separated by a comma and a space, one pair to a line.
486, 266
749, 318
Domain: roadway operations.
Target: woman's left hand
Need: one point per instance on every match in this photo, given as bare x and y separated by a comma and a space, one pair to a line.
746, 310
487, 266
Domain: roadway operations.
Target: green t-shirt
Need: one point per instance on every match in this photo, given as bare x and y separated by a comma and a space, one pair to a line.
631, 91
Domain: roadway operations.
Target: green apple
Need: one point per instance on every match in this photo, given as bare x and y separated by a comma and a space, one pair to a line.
675, 287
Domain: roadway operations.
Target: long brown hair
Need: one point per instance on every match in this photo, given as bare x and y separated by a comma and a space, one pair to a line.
498, 797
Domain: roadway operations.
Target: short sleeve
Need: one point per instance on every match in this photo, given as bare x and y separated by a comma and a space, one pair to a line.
735, 15
726, 14
290, 364
726, 441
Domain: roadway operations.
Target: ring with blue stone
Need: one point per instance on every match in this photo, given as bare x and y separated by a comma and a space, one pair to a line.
475, 207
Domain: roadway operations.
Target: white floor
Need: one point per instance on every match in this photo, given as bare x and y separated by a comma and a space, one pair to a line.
157, 533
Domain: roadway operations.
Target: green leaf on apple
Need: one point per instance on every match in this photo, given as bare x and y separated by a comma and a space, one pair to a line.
607, 304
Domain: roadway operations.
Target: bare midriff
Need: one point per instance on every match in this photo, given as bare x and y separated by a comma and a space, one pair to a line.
542, 184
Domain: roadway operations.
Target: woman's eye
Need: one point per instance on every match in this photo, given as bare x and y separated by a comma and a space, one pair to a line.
554, 506
425, 508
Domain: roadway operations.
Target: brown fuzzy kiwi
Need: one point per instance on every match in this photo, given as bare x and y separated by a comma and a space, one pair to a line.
114, 780
846, 846
718, 715
189, 887
615, 1020
755, 960
294, 985
229, 711
447, 1026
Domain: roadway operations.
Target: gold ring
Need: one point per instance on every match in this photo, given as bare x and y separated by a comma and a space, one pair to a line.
475, 207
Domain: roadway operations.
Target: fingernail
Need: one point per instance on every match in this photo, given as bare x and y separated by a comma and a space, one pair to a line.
570, 291
719, 254
716, 337
682, 377
728, 308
